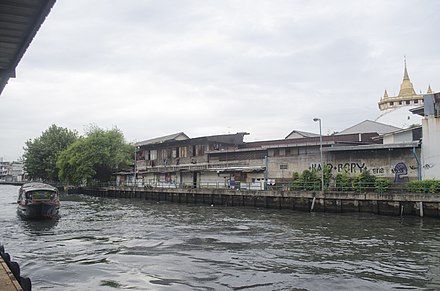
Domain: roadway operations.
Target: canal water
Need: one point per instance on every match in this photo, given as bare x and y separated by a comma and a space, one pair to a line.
111, 244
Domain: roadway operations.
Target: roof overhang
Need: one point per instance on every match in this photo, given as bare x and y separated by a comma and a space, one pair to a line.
19, 22
249, 169
375, 147
418, 110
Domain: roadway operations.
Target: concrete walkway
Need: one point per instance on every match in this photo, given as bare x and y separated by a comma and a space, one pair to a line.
7, 279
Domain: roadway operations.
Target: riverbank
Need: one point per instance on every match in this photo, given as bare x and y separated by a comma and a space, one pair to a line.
399, 204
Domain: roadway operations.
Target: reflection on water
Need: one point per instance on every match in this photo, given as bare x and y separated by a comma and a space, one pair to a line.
38, 227
108, 244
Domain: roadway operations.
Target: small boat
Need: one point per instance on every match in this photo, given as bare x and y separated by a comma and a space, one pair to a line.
38, 200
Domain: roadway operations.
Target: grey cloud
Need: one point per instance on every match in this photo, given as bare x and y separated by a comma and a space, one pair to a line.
208, 67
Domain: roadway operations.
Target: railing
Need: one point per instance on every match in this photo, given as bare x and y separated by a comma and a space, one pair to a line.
192, 166
203, 185
360, 187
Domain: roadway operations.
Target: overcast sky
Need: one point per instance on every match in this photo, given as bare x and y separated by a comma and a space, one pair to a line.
153, 68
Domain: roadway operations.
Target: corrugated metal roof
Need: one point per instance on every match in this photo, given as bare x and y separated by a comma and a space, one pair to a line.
300, 134
19, 23
374, 147
174, 136
340, 138
367, 126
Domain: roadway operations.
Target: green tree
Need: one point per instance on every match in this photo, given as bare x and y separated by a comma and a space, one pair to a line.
94, 158
41, 154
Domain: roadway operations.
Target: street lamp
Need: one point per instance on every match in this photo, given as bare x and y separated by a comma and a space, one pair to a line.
135, 165
320, 151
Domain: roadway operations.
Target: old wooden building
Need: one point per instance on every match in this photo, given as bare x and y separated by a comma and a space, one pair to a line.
227, 161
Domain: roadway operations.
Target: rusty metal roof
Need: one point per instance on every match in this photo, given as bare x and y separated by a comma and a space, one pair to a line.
19, 23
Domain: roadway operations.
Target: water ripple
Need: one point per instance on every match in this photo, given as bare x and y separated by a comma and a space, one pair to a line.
108, 244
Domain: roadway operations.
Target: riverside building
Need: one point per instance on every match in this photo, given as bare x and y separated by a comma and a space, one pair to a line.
386, 150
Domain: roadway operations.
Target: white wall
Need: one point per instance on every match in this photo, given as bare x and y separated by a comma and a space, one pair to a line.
431, 148
400, 137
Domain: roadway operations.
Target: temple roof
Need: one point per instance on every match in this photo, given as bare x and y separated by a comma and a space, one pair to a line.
407, 95
429, 90
406, 88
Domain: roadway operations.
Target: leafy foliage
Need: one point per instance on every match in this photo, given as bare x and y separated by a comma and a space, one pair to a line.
94, 158
327, 176
382, 185
311, 180
425, 186
308, 180
41, 154
364, 182
343, 181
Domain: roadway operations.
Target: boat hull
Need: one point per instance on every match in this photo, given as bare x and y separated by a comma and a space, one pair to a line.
39, 211
38, 200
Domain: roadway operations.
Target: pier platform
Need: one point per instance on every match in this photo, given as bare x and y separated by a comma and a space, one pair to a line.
7, 279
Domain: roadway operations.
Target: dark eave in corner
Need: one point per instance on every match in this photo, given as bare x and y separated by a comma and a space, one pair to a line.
19, 22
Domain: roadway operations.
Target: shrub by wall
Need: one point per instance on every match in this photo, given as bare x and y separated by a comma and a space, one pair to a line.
424, 186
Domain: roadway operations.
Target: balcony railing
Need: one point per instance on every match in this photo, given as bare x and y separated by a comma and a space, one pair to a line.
143, 167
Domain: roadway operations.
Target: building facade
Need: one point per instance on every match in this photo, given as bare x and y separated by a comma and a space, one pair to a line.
227, 161
11, 172
386, 151
173, 160
431, 137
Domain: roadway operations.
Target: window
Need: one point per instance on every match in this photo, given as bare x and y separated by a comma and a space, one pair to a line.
283, 167
292, 152
279, 152
183, 152
391, 103
175, 153
416, 101
408, 102
153, 155
201, 150
194, 151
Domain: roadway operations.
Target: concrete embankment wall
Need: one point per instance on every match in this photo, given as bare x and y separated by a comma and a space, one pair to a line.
338, 202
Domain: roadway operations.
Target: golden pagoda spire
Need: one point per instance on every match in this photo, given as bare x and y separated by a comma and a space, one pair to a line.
429, 90
406, 88
385, 94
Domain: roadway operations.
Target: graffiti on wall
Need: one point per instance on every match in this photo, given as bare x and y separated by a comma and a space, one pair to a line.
378, 171
349, 167
428, 166
399, 170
